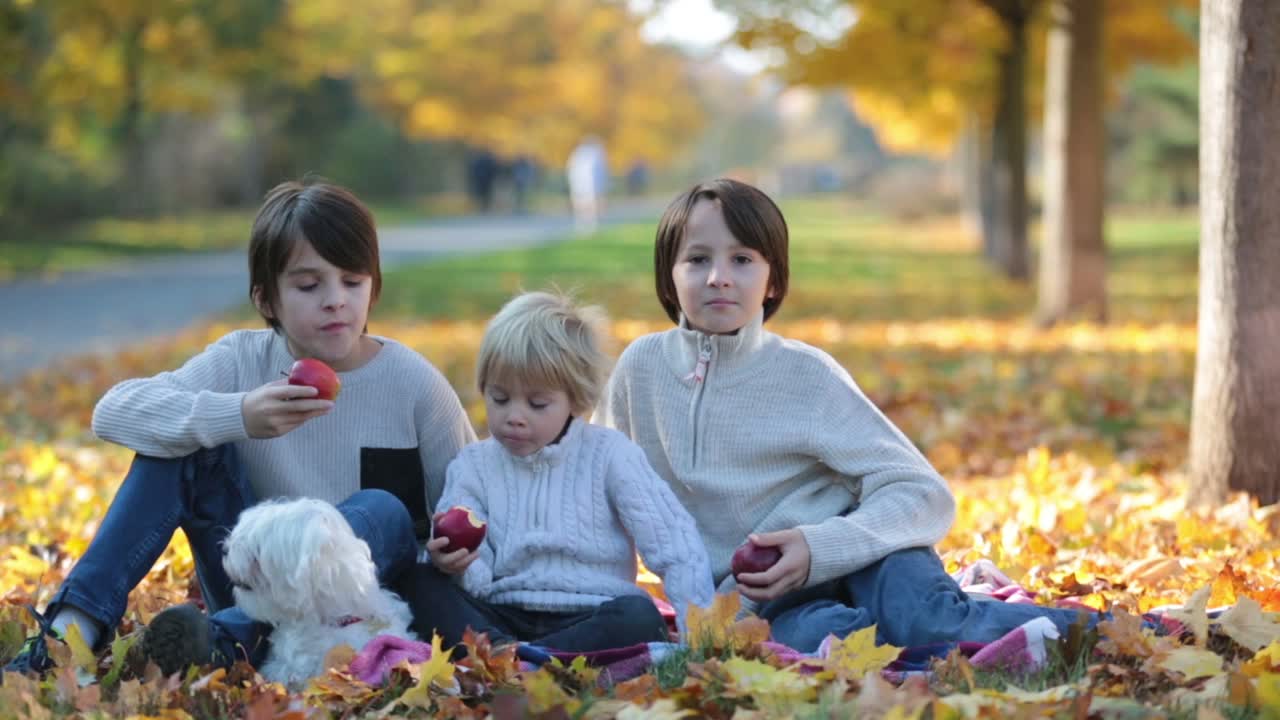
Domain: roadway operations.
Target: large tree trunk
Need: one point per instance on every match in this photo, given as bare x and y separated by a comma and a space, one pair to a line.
1073, 262
1009, 147
1235, 444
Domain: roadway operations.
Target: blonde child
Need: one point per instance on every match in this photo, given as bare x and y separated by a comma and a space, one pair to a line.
770, 439
567, 502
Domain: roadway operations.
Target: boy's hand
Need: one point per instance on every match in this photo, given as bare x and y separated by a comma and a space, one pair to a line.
453, 563
788, 574
278, 407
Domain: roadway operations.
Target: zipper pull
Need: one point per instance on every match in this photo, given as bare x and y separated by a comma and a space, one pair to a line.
700, 370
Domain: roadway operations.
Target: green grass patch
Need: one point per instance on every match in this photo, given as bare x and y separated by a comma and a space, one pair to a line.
846, 264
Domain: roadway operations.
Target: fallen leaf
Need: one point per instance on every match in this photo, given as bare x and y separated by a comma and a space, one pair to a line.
857, 654
1194, 614
1245, 623
1192, 663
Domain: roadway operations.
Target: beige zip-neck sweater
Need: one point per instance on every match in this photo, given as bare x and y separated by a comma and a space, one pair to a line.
775, 435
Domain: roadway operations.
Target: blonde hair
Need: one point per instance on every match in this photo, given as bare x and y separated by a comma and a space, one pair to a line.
542, 339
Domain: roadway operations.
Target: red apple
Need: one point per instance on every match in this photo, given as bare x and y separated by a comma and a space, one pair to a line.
309, 371
462, 527
753, 558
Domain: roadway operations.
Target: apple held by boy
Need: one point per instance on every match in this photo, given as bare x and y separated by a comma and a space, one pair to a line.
753, 558
312, 372
463, 528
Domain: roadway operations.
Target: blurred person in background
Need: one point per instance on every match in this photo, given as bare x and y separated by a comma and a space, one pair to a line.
588, 175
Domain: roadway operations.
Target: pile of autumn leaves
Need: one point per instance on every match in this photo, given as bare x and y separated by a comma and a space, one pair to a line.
1064, 450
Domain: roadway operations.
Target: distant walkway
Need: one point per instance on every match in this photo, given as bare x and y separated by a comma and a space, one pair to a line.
105, 309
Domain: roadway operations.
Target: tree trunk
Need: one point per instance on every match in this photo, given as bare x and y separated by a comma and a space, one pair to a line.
1236, 404
978, 181
1073, 262
1009, 148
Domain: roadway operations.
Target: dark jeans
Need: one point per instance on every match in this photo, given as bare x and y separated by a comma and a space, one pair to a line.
441, 606
204, 493
910, 599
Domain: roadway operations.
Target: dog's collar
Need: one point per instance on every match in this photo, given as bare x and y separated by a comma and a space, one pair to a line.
346, 620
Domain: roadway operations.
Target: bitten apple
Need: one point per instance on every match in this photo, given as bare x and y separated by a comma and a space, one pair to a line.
309, 371
753, 558
462, 527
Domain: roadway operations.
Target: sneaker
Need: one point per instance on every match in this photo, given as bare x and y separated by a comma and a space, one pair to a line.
178, 638
34, 655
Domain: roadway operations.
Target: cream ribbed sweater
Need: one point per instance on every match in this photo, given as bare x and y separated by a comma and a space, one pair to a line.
396, 400
566, 521
777, 436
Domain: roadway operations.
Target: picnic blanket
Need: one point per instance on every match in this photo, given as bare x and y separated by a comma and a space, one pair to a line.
1024, 648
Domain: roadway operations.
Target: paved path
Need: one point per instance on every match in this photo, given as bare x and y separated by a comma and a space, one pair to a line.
44, 320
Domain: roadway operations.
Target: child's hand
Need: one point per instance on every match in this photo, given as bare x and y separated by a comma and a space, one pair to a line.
453, 563
278, 407
788, 574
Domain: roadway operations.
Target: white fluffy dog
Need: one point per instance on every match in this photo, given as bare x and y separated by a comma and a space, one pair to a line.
296, 565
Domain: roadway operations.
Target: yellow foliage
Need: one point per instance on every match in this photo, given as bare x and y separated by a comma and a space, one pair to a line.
917, 68
718, 627
857, 654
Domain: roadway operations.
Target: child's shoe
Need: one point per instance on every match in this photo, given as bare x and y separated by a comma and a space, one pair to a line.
34, 656
178, 638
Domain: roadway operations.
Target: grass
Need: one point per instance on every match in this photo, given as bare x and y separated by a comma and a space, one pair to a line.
846, 263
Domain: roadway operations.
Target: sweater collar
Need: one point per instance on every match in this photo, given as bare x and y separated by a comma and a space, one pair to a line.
728, 353
553, 454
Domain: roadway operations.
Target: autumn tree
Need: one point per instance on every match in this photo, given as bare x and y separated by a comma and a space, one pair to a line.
114, 63
1234, 444
527, 77
922, 71
1073, 265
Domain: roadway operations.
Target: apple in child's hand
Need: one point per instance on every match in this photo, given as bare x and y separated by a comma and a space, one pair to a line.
462, 527
753, 558
309, 371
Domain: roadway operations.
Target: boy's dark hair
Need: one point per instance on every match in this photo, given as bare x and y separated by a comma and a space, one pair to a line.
751, 216
334, 221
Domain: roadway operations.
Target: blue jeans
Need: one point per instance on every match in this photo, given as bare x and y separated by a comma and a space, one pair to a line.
204, 493
910, 599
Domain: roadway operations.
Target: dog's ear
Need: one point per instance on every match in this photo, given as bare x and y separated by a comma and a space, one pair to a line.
337, 566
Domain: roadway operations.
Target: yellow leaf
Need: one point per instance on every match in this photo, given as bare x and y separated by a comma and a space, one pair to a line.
438, 671
715, 627
1192, 662
418, 696
545, 694
81, 655
1264, 661
1194, 614
1247, 625
858, 654
1269, 696
767, 685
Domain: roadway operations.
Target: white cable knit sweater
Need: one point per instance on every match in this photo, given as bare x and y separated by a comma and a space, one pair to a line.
566, 521
395, 402
776, 436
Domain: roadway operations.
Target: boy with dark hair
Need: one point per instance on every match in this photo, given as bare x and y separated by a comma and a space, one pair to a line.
226, 430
